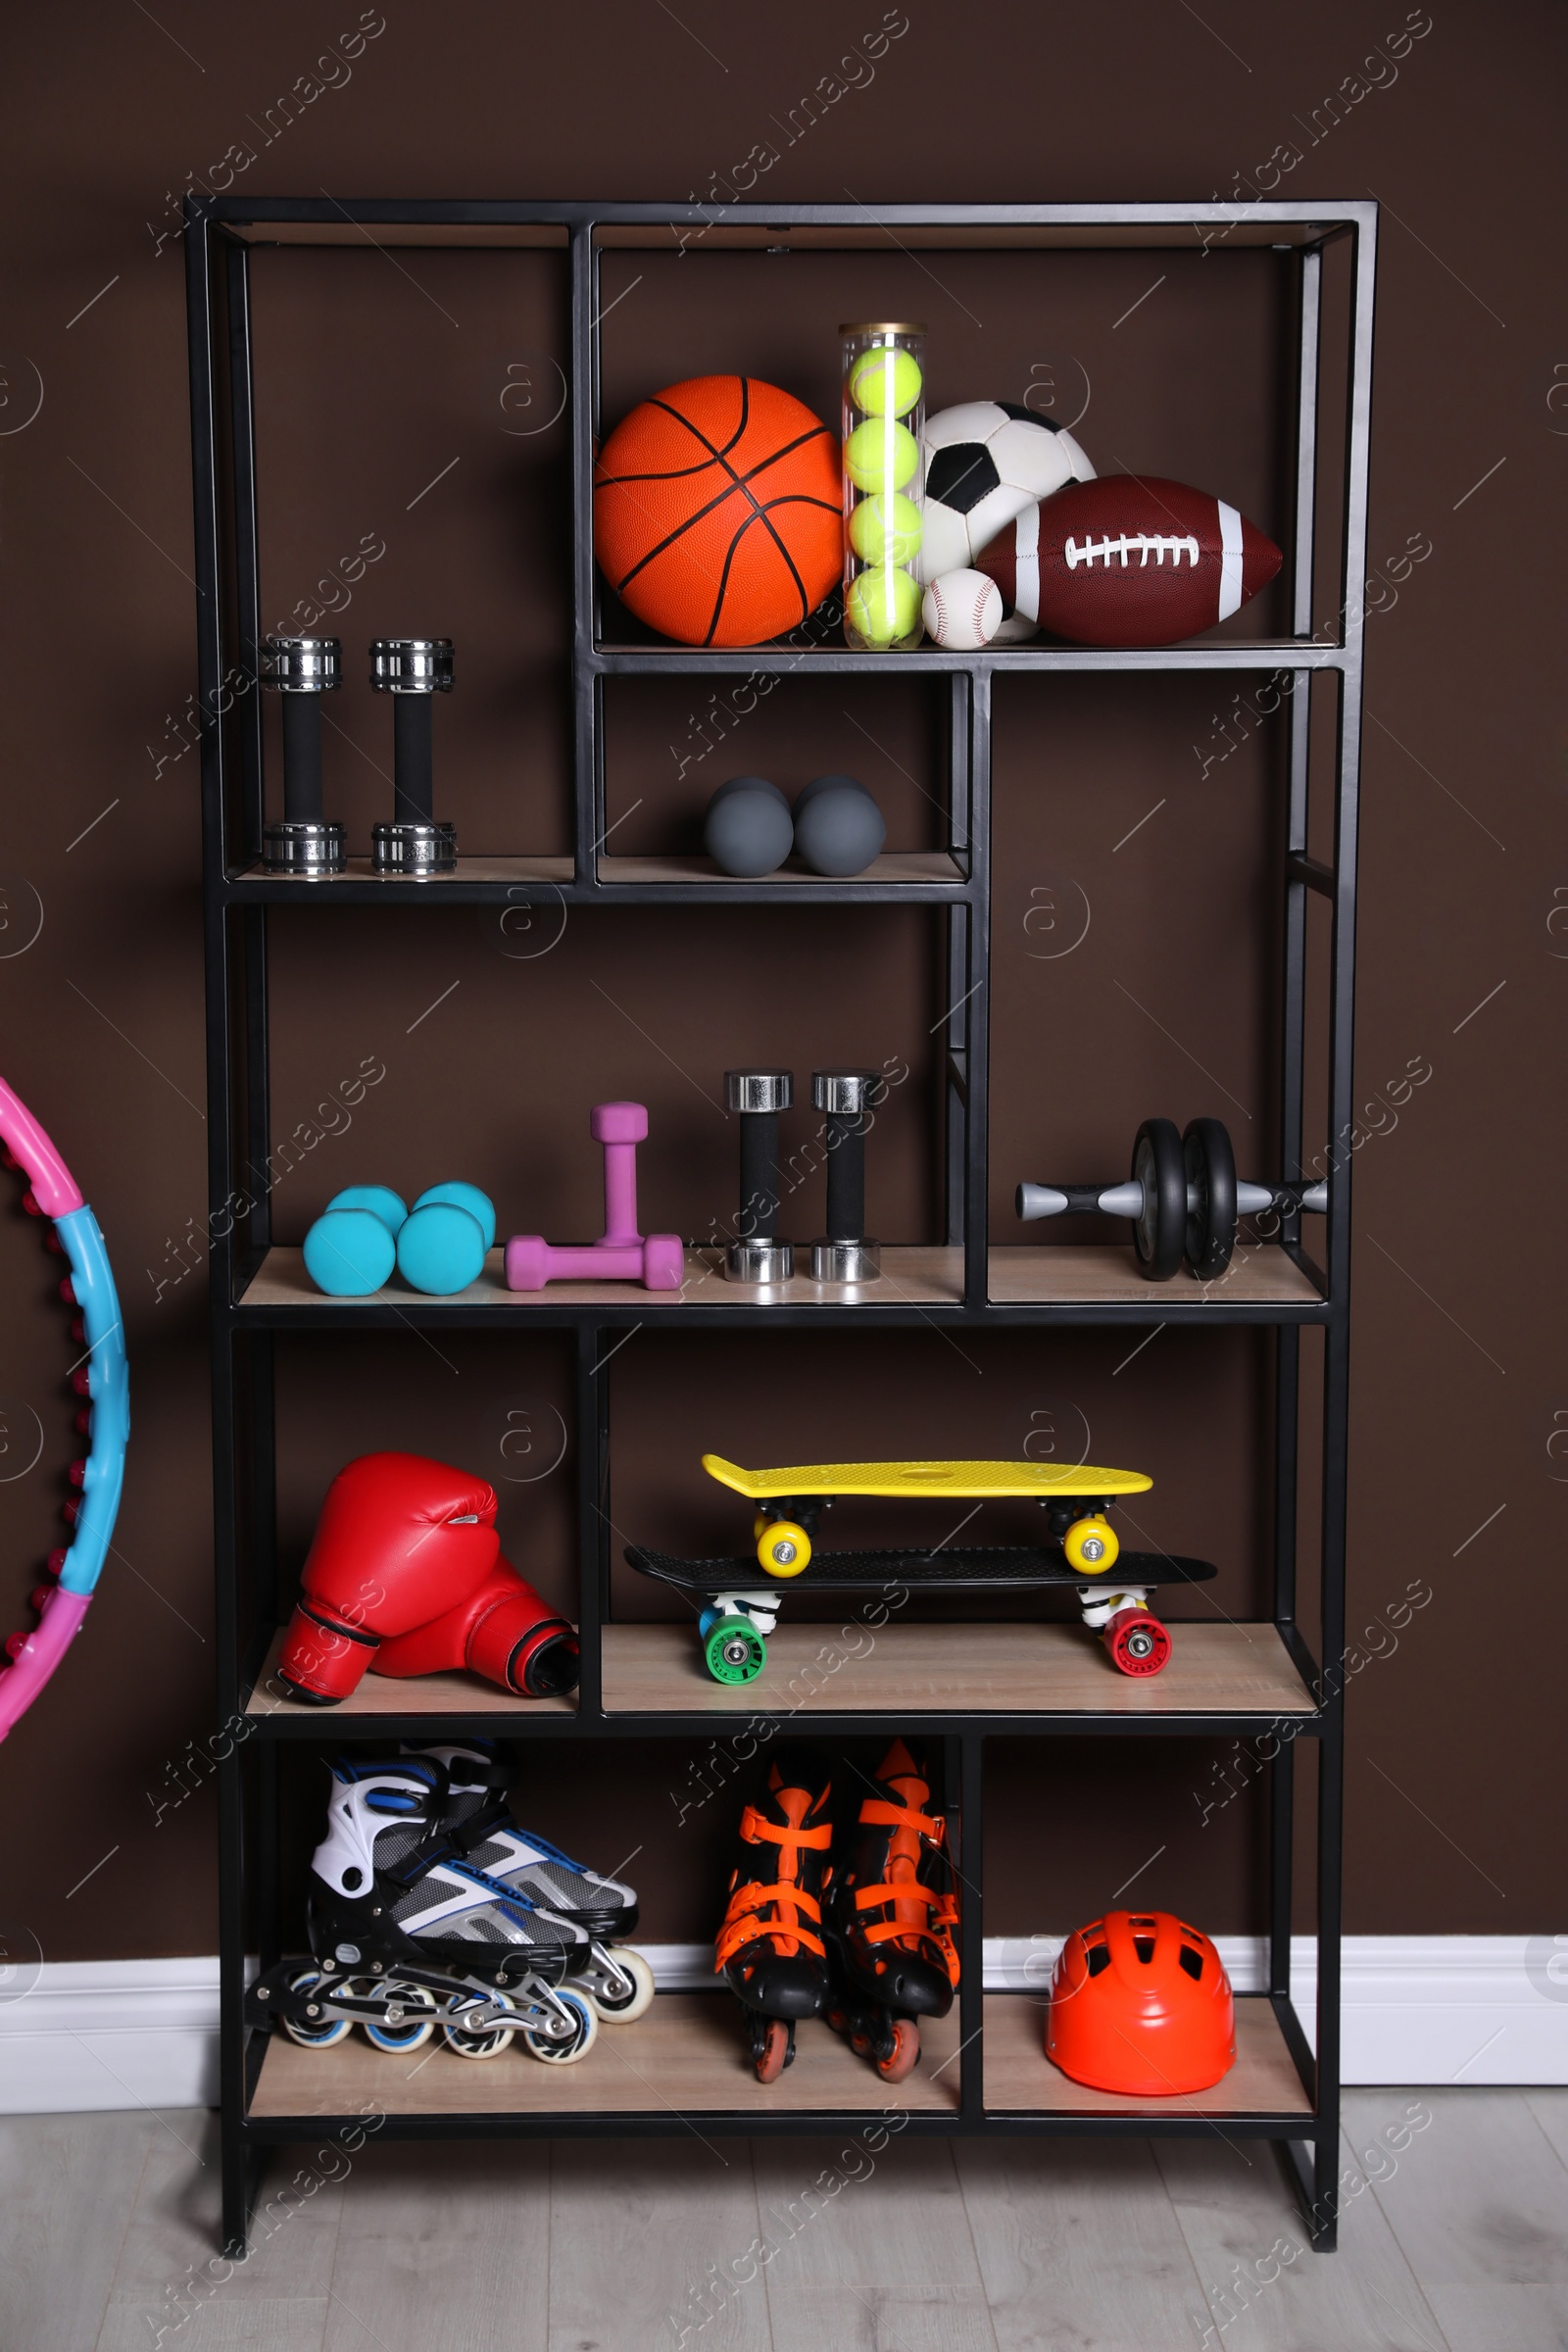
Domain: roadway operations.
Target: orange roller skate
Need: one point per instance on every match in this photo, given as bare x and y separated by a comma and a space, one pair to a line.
892, 1914
769, 1947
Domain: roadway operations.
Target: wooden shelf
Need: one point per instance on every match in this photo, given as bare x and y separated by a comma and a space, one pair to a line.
897, 865
954, 1669
1020, 2079
1107, 1275
910, 1277
929, 1275
466, 870
687, 2055
383, 1694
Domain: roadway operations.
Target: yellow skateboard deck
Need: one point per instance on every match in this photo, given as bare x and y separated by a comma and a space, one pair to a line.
974, 1479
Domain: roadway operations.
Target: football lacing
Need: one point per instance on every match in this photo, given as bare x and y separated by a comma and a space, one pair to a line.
1139, 544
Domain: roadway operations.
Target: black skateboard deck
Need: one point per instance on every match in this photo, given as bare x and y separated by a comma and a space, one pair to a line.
983, 1568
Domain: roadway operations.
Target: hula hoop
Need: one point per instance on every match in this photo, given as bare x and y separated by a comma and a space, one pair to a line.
101, 1377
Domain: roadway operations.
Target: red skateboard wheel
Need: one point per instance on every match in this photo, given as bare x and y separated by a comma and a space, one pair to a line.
1137, 1641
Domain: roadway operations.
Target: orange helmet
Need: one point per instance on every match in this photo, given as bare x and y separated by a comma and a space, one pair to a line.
1140, 2003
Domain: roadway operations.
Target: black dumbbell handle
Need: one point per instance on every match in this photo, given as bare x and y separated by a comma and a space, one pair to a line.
414, 777
846, 1175
758, 1216
302, 758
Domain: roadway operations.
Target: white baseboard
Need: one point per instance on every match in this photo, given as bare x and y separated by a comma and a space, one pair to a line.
1417, 2009
93, 2034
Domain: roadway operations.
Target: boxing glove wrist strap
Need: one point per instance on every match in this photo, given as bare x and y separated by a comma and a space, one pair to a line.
335, 1625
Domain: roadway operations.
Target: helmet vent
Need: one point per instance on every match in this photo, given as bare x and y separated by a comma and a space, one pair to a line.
1193, 1962
1099, 1958
1144, 1947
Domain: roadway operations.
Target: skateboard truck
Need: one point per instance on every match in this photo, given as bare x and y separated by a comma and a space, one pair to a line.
412, 669
621, 1255
757, 1255
845, 1253
299, 670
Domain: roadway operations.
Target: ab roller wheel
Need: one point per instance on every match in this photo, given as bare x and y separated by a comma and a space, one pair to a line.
1209, 1200
1160, 1225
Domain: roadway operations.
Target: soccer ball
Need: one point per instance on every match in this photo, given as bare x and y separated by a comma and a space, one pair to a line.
986, 461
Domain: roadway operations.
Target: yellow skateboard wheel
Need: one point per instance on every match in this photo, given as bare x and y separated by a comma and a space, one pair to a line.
1091, 1546
784, 1548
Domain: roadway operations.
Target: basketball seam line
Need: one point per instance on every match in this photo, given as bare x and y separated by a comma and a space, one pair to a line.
788, 498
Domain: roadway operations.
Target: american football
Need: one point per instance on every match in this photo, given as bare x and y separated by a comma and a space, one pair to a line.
985, 462
1126, 559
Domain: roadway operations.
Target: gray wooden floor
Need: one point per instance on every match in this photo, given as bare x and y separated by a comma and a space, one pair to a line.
1455, 2239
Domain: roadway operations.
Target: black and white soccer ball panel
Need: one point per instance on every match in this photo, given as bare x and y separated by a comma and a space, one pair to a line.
984, 461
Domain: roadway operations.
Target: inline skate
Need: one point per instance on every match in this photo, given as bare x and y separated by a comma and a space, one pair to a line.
479, 1822
408, 1936
769, 1946
889, 1916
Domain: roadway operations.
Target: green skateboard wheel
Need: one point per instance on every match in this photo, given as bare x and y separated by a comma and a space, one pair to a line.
734, 1650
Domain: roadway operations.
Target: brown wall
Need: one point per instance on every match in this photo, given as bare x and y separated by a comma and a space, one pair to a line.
370, 379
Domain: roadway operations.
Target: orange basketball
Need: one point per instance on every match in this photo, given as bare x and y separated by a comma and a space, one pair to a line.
719, 512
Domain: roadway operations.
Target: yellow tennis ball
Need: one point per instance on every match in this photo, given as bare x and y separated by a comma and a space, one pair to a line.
887, 528
883, 605
880, 455
885, 382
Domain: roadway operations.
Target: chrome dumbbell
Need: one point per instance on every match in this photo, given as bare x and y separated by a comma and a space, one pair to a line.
299, 670
413, 670
846, 1252
1183, 1198
756, 1254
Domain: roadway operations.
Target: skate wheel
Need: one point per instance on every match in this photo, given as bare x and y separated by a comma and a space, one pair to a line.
902, 2059
774, 2055
566, 2048
311, 2036
1091, 1546
488, 2043
1137, 1641
413, 2031
784, 1548
734, 1651
624, 2007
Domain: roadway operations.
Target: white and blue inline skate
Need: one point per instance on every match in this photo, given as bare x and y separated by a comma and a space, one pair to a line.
408, 1934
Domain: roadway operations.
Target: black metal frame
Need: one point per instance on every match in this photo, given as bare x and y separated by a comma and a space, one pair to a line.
236, 896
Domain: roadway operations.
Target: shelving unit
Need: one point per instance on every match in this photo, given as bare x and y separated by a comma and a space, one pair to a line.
984, 2072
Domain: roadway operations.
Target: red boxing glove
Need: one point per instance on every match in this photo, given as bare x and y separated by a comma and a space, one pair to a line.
401, 1539
504, 1630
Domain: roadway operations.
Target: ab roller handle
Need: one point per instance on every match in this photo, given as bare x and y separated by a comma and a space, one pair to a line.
412, 669
757, 1255
1183, 1198
299, 670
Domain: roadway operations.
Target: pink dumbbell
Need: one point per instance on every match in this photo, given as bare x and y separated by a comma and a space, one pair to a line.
622, 1255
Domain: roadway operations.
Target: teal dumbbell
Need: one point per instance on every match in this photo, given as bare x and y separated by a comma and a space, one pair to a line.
438, 1247
442, 1245
351, 1248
